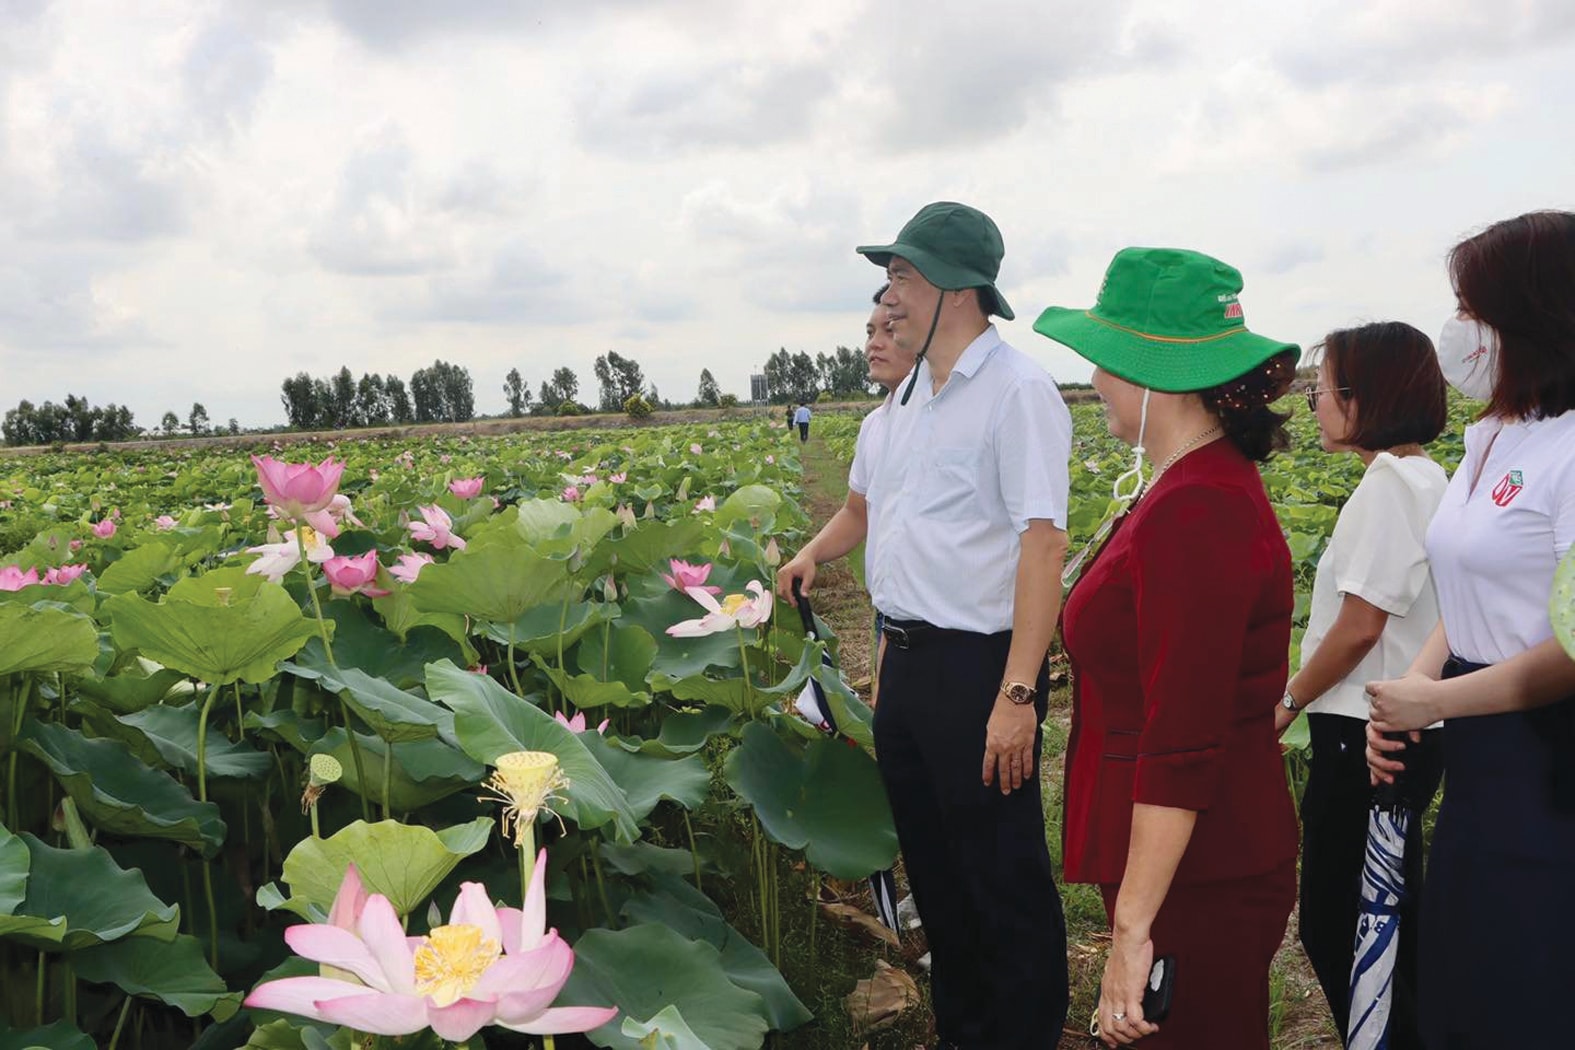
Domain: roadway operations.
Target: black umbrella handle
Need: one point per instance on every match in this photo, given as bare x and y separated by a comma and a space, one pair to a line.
805, 613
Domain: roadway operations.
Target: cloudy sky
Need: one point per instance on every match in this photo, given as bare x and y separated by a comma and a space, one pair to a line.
198, 199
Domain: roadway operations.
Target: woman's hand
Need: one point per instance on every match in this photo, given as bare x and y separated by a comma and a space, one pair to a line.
1403, 703
1121, 1020
1283, 717
1381, 767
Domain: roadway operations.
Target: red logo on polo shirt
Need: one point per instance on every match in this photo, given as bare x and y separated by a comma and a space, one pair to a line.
1508, 488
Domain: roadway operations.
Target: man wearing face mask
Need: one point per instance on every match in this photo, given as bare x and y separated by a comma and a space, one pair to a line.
967, 503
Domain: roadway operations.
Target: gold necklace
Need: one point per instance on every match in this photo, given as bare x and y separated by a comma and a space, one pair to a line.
1209, 434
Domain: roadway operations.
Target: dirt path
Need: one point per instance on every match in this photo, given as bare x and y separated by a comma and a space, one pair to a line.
1300, 1018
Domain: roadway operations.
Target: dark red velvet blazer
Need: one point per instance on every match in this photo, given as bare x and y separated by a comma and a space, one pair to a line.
1179, 635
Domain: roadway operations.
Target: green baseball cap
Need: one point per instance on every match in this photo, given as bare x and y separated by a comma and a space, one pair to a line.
1167, 319
953, 246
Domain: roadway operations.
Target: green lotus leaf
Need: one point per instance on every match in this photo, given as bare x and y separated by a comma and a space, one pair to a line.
118, 793
359, 642
172, 972
684, 909
45, 639
755, 504
393, 714
666, 1031
401, 616
139, 568
647, 968
14, 862
825, 798
498, 578
167, 737
537, 631
587, 691
682, 732
1561, 604
58, 1036
490, 721
729, 694
647, 779
219, 627
83, 898
132, 689
647, 547
646, 858
623, 653
681, 657
403, 862
74, 594
293, 729
423, 772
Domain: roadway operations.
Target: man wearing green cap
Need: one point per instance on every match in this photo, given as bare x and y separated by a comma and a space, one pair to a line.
967, 502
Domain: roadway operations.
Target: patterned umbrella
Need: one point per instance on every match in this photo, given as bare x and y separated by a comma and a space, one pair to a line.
1378, 925
814, 706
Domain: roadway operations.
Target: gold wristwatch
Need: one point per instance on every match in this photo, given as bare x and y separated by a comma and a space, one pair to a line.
1018, 692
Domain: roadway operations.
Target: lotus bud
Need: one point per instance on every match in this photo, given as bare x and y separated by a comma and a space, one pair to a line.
650, 511
773, 553
609, 588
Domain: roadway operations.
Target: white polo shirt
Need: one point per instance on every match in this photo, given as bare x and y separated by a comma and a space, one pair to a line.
1494, 548
955, 477
868, 448
1378, 553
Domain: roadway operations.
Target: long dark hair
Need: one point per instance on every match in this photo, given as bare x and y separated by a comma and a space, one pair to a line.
1518, 277
1242, 407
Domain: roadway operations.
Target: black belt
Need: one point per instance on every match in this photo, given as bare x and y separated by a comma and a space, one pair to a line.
905, 634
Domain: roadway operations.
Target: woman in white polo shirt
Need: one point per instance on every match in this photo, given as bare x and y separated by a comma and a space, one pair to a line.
1498, 911
1380, 396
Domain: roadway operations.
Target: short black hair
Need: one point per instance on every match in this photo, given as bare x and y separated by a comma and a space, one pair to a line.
880, 293
1390, 371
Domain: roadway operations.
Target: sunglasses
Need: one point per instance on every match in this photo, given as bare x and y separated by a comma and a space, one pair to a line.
1313, 395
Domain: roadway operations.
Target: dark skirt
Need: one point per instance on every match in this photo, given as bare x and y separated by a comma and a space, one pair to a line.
1224, 936
1498, 911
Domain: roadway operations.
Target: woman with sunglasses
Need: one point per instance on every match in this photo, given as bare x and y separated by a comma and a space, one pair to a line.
1380, 396
1178, 632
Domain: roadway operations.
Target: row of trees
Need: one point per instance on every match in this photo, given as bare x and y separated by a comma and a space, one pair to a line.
440, 393
799, 378
79, 421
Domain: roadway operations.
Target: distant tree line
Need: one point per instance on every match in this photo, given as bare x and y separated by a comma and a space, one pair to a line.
76, 420
440, 393
799, 378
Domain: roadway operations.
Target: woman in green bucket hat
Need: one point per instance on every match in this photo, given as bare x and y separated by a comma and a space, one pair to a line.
1178, 632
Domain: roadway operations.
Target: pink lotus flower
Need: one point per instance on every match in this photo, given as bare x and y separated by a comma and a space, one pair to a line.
279, 558
695, 448
437, 529
165, 523
488, 966
409, 566
14, 579
685, 576
708, 503
328, 520
467, 488
588, 479
104, 529
298, 489
64, 574
736, 610
480, 669
771, 459
354, 574
570, 494
619, 478
445, 459
75, 545
577, 723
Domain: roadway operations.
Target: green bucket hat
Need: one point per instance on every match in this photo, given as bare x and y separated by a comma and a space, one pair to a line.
953, 246
1166, 319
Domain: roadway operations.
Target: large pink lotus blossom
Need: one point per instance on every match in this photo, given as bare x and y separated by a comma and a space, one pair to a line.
14, 579
354, 574
437, 529
467, 488
64, 574
409, 566
279, 558
736, 610
298, 489
104, 529
685, 576
328, 520
488, 966
577, 724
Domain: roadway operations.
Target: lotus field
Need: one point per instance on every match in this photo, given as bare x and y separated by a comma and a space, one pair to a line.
438, 741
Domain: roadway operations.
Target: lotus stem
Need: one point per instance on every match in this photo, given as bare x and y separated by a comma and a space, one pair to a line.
601, 883
388, 780
125, 1009
328, 652
563, 618
240, 715
749, 686
514, 675
38, 994
202, 795
317, 831
12, 820
694, 851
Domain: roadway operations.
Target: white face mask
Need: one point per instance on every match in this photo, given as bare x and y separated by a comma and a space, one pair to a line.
1468, 357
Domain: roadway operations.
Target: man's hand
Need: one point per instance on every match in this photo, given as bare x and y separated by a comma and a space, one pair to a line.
801, 568
1283, 717
1009, 745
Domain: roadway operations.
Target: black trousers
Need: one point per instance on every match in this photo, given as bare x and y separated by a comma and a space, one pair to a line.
976, 860
1335, 806
803, 432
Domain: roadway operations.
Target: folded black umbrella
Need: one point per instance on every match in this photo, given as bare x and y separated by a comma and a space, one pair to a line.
883, 885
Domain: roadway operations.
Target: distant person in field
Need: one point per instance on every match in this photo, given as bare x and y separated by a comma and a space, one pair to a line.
1498, 914
888, 365
1178, 631
1381, 397
967, 498
801, 420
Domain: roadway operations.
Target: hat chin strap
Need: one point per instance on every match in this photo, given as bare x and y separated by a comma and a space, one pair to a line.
925, 349
1135, 475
